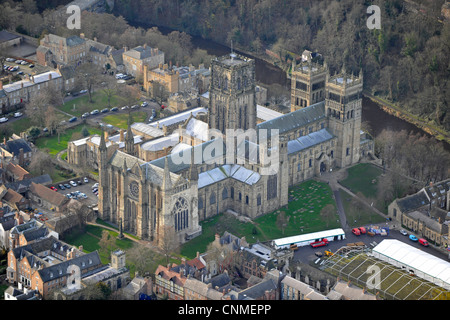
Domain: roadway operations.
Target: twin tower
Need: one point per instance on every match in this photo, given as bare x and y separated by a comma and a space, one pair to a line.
233, 104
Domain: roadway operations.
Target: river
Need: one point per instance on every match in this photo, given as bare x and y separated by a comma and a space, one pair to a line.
268, 74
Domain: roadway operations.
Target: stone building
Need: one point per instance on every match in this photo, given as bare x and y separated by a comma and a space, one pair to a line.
210, 176
136, 59
425, 212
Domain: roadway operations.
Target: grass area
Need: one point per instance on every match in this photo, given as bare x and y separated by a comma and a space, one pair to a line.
358, 214
81, 104
121, 120
90, 241
306, 201
362, 178
51, 143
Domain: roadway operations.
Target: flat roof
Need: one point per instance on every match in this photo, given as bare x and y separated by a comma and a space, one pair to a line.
308, 236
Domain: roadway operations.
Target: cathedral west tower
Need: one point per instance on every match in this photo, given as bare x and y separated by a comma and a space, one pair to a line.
232, 103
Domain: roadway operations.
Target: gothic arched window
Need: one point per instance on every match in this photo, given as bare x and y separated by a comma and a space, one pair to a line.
212, 198
224, 194
181, 214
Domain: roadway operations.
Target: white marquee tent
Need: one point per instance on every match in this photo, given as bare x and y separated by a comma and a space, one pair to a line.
424, 265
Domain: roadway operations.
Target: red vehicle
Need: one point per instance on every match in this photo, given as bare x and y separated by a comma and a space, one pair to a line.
319, 243
423, 242
362, 230
53, 188
163, 106
356, 231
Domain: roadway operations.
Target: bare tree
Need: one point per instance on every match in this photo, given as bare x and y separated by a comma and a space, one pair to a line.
41, 163
88, 75
168, 242
327, 213
144, 259
109, 88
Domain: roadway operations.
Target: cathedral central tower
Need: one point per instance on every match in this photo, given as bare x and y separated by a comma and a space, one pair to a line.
232, 103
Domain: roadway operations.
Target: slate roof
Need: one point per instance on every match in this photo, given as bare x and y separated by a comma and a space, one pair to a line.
84, 261
23, 185
14, 146
236, 172
310, 140
7, 36
140, 52
296, 119
257, 291
412, 202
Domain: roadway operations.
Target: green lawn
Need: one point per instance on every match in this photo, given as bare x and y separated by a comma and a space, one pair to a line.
80, 105
305, 204
362, 178
359, 213
51, 143
121, 120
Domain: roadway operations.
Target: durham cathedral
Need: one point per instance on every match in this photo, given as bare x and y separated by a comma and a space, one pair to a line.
322, 131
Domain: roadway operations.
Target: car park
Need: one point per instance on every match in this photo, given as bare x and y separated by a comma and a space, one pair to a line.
413, 238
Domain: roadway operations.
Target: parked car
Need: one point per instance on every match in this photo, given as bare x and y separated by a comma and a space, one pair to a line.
73, 183
83, 91
31, 66
4, 119
73, 119
144, 104
85, 180
115, 109
356, 231
95, 112
413, 238
135, 106
163, 106
85, 115
53, 188
362, 230
67, 186
153, 112
18, 114
403, 232
95, 185
423, 242
61, 187
320, 243
125, 108
104, 110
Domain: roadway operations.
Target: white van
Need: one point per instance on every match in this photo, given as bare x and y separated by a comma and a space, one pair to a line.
18, 114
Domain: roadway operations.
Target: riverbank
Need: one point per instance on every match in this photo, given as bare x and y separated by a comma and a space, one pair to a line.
397, 112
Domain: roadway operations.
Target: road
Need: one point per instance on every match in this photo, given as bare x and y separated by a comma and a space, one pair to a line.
307, 253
